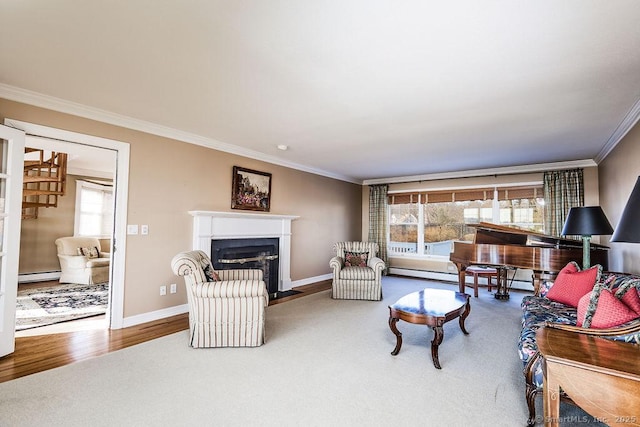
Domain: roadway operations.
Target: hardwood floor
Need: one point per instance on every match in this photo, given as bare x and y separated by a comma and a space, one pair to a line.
39, 353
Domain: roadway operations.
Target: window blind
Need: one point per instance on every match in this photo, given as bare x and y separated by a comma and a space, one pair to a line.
504, 193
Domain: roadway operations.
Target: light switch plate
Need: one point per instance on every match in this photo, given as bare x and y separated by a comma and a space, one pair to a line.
132, 229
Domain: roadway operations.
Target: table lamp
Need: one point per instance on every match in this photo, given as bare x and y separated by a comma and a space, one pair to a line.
586, 221
628, 229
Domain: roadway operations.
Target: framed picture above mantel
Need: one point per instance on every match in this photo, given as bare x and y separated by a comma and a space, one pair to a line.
251, 190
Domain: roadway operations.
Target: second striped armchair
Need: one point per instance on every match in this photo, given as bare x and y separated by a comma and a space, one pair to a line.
226, 307
357, 271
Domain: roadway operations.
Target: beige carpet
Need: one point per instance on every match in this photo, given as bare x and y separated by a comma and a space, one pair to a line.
325, 363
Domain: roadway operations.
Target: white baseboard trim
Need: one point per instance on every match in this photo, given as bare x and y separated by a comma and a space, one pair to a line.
184, 308
38, 277
448, 277
310, 280
154, 315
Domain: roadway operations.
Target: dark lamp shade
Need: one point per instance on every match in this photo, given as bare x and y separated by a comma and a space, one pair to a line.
628, 229
586, 221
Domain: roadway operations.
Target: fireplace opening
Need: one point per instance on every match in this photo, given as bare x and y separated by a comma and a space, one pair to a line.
261, 253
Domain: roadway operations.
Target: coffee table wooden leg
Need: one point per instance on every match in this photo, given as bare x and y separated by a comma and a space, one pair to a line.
437, 340
463, 316
398, 334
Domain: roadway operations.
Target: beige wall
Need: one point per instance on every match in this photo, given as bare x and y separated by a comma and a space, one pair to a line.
167, 178
618, 174
37, 236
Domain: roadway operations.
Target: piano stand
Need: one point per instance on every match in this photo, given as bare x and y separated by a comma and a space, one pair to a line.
502, 291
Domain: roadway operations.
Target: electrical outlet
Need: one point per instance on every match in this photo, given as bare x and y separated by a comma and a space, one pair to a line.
163, 290
144, 229
173, 288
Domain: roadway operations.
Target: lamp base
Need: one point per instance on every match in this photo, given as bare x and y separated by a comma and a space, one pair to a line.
586, 252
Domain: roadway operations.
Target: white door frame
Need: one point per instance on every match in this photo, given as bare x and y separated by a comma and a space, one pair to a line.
121, 192
10, 235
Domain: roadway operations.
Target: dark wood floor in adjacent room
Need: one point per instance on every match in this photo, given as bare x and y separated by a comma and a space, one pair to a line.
42, 352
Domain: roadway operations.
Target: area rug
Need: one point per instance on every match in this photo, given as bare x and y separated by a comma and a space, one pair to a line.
60, 303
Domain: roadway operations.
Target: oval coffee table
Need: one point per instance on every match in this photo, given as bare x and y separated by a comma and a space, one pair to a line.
431, 307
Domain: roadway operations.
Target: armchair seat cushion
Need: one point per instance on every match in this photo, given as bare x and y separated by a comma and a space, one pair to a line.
357, 273
97, 262
232, 289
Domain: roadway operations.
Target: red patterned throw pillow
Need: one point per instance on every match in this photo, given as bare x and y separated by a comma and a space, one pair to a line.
610, 311
572, 284
628, 294
355, 259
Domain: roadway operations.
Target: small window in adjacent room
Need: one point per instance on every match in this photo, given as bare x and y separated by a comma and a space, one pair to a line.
94, 209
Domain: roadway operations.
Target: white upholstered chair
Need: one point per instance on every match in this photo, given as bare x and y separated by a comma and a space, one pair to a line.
357, 271
226, 307
86, 268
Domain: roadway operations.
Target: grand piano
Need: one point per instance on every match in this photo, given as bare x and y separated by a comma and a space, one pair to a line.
508, 249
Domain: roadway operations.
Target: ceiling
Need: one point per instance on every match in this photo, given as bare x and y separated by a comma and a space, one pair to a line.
364, 91
82, 159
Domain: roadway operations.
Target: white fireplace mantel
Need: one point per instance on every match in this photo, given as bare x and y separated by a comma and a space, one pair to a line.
208, 225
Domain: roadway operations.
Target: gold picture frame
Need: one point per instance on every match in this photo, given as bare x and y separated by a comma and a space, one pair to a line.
251, 190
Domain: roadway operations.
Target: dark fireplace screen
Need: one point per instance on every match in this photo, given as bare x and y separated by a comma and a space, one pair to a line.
260, 253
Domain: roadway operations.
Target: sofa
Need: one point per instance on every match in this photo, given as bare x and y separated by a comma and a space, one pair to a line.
357, 271
610, 308
82, 260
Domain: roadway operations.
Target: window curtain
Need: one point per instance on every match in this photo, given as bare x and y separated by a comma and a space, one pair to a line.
562, 190
378, 220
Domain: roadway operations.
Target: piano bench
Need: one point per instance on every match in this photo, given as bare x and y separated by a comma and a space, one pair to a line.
477, 271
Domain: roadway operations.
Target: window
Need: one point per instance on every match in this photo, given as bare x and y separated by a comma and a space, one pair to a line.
428, 223
522, 208
403, 227
94, 209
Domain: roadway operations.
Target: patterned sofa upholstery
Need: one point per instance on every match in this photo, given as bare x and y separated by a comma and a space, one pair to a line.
539, 311
226, 307
362, 282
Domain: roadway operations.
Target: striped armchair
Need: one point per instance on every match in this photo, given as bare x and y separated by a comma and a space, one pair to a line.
226, 307
357, 271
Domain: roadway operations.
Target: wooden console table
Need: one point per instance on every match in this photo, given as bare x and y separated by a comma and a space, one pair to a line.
599, 375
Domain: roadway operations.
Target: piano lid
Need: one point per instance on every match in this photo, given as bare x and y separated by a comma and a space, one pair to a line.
489, 233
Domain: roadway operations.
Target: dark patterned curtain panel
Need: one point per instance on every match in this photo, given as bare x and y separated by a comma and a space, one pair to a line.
378, 220
562, 191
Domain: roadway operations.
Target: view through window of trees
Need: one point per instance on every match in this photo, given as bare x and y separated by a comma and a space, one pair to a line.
429, 223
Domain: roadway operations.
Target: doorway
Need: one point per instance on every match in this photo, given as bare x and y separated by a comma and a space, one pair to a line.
65, 141
55, 293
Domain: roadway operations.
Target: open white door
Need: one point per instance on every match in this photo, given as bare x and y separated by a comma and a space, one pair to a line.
11, 170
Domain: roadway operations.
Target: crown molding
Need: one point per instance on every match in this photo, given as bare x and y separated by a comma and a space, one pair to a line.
621, 130
540, 167
36, 99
